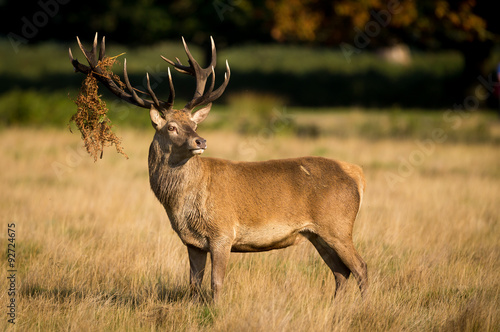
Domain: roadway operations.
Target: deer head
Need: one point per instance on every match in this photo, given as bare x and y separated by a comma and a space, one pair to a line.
175, 128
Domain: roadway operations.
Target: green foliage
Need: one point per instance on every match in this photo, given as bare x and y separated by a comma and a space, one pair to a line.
474, 127
467, 26
324, 77
21, 107
254, 113
301, 60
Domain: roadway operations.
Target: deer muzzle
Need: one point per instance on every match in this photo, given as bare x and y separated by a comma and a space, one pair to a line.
200, 144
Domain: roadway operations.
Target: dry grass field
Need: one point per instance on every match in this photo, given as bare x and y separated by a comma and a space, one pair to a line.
95, 250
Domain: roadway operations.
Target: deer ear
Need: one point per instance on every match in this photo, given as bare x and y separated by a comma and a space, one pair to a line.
201, 114
156, 119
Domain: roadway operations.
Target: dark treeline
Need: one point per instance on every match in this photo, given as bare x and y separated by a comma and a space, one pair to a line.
467, 26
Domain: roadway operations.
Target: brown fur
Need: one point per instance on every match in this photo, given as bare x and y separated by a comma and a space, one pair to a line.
219, 206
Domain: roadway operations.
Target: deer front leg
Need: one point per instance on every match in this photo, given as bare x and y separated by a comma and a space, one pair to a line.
220, 257
197, 262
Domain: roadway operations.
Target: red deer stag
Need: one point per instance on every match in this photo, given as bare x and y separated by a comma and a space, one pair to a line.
219, 206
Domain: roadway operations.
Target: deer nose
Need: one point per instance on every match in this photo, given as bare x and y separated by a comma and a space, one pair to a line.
201, 143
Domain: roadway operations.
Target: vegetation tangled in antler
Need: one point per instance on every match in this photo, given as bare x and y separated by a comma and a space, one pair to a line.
91, 118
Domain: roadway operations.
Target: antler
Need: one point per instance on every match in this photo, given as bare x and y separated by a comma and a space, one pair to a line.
103, 77
201, 74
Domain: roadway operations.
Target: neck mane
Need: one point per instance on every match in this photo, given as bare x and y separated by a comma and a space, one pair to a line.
173, 180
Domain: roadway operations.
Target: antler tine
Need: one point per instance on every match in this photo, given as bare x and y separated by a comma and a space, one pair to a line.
84, 51
220, 90
214, 53
192, 61
213, 81
171, 97
94, 48
70, 55
178, 66
102, 51
152, 94
138, 101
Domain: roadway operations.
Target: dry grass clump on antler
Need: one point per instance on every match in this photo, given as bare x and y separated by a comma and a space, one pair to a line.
91, 118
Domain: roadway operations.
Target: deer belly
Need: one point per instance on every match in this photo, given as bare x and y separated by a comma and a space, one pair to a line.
265, 238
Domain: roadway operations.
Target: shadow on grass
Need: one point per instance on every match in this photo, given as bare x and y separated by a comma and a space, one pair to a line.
161, 292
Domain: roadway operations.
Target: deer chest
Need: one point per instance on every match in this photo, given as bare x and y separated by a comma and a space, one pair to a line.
191, 232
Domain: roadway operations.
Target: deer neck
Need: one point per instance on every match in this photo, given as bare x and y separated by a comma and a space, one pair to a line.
174, 180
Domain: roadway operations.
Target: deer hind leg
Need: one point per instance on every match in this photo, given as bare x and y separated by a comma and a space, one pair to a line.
344, 258
197, 262
344, 248
356, 264
339, 269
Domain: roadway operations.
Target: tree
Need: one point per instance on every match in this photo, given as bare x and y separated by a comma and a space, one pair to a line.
469, 26
140, 22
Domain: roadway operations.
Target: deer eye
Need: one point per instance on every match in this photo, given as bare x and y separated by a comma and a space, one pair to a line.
171, 128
